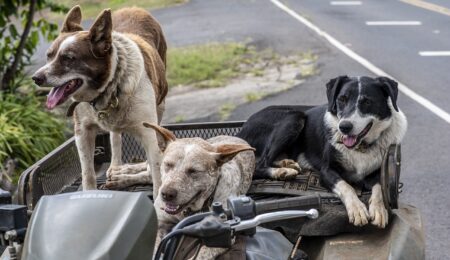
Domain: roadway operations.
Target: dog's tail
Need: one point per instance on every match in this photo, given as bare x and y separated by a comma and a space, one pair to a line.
166, 134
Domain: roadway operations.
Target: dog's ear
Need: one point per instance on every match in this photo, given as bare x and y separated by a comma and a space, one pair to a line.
72, 22
100, 34
333, 88
226, 152
390, 88
167, 135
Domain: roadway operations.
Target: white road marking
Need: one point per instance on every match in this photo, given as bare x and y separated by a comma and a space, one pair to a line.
434, 53
429, 6
367, 64
345, 3
393, 23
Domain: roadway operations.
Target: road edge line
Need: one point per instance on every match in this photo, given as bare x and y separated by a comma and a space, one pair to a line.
367, 64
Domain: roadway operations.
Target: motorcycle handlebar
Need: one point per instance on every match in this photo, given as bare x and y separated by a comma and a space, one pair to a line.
295, 203
274, 216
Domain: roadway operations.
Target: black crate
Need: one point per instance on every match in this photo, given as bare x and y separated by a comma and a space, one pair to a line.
13, 217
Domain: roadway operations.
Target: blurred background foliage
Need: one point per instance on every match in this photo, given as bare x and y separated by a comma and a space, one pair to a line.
27, 131
91, 8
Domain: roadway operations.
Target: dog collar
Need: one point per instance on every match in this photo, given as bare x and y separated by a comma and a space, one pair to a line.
101, 114
71, 109
104, 113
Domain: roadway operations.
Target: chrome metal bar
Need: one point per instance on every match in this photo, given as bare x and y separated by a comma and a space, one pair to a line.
275, 216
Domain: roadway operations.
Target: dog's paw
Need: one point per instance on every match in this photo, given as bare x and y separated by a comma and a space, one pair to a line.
117, 181
111, 171
378, 214
357, 212
288, 163
284, 173
123, 169
115, 185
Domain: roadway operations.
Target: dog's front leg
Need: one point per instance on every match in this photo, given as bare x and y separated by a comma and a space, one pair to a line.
127, 169
356, 210
377, 210
152, 173
154, 157
85, 141
116, 167
116, 152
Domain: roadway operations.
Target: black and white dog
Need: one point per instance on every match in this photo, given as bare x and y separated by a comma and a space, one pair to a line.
345, 140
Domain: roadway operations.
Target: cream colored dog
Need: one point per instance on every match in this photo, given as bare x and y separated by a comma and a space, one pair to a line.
115, 71
195, 172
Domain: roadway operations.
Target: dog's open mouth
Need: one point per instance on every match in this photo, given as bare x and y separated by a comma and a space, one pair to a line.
351, 141
174, 209
61, 93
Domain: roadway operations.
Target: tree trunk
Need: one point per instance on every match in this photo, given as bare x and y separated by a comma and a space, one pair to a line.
11, 70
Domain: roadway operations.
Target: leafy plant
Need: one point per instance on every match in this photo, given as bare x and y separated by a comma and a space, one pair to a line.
19, 36
27, 132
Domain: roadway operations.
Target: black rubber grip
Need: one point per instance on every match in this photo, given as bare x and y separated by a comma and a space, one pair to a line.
295, 203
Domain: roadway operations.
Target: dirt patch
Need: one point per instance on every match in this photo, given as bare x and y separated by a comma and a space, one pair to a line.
185, 103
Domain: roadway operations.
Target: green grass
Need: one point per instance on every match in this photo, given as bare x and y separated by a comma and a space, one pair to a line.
209, 65
179, 119
308, 64
225, 111
254, 96
91, 8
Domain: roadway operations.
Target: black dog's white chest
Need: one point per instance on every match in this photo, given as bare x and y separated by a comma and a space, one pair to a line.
358, 164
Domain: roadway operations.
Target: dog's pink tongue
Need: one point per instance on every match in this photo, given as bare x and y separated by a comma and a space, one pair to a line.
55, 96
349, 141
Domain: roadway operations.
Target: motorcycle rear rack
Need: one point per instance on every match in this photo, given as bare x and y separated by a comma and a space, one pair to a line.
60, 171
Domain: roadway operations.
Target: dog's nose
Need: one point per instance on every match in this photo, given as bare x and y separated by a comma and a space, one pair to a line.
38, 79
346, 127
169, 194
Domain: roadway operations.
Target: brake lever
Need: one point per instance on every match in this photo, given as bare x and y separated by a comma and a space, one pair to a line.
273, 216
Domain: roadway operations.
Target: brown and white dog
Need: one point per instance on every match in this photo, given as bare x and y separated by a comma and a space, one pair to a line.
116, 72
195, 172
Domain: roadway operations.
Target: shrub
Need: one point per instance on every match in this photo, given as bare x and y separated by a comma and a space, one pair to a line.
27, 132
19, 37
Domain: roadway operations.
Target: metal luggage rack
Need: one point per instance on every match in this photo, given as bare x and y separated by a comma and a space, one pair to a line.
60, 171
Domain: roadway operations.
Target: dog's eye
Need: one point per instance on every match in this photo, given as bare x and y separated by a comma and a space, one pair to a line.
67, 57
342, 99
191, 171
366, 101
168, 165
50, 55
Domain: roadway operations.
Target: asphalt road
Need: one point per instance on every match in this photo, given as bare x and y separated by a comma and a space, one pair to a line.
394, 49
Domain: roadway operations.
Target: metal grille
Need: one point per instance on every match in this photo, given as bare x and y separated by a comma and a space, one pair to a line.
60, 170
51, 174
133, 152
